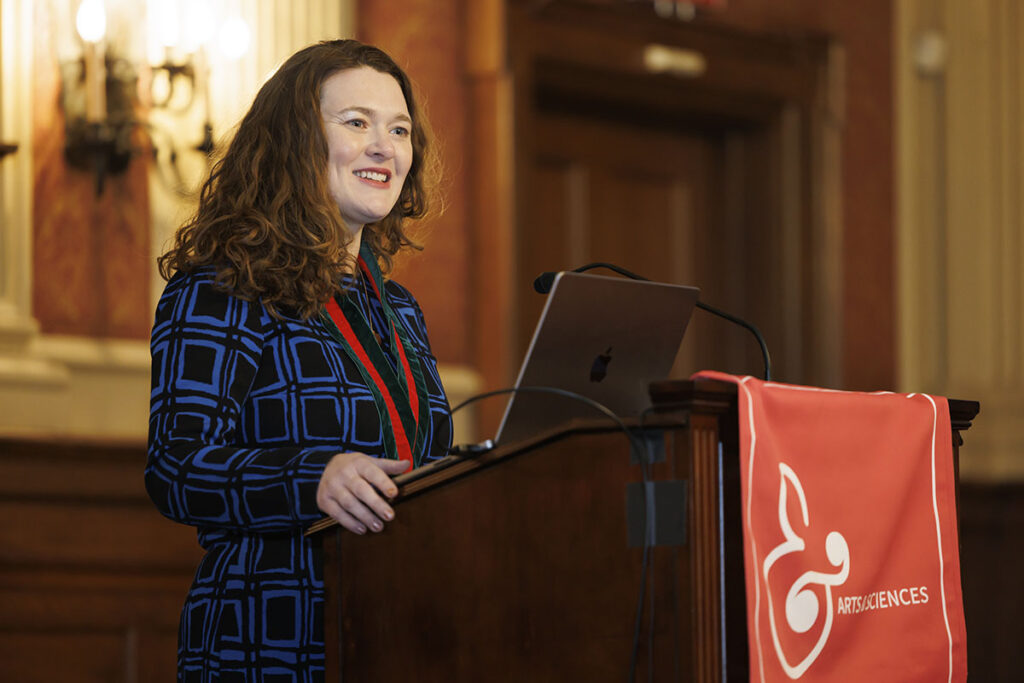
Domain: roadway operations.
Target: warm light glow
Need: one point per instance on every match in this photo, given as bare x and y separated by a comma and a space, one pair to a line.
199, 25
91, 21
164, 23
234, 38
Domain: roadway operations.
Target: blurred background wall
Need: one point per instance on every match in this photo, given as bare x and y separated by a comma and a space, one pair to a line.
846, 175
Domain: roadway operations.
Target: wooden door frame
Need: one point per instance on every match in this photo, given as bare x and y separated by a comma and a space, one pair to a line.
516, 46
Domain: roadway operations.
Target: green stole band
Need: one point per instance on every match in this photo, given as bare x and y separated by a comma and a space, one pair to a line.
400, 397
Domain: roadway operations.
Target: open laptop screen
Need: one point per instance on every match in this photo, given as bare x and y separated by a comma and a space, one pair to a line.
606, 338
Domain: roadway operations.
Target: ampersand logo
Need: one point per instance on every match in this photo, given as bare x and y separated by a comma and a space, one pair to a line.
802, 604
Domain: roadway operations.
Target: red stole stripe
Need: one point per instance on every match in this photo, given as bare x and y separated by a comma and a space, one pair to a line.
410, 382
402, 444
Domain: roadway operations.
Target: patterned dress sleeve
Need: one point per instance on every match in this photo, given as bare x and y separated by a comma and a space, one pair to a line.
206, 348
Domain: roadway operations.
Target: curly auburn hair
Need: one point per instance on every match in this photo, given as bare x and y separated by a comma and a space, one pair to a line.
266, 219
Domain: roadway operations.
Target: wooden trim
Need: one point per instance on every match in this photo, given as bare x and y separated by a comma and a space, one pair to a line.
491, 217
705, 504
776, 99
490, 191
451, 468
962, 413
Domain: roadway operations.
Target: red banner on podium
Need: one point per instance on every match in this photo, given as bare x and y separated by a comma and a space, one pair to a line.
850, 539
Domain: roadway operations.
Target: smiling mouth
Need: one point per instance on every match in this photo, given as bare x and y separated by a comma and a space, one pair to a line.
376, 176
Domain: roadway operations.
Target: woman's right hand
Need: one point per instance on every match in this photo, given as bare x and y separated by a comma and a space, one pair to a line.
351, 489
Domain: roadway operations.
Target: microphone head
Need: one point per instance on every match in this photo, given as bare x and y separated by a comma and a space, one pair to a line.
544, 282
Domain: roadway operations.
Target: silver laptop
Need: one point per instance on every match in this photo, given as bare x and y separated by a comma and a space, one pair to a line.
606, 338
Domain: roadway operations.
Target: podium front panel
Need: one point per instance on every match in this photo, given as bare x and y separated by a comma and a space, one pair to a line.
523, 571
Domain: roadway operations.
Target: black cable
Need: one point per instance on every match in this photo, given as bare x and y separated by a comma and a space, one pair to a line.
652, 602
600, 407
650, 625
545, 280
753, 330
644, 565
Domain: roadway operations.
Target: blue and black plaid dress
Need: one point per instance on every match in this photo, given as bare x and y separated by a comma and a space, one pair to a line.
246, 411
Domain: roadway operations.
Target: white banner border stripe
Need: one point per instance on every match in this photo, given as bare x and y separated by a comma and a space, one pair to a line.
750, 527
938, 533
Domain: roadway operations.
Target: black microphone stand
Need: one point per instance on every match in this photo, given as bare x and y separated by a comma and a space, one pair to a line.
544, 282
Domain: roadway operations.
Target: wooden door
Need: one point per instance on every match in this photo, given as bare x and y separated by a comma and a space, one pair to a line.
718, 179
618, 191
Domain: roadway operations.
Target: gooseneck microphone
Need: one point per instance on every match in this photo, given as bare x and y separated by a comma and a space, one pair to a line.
546, 280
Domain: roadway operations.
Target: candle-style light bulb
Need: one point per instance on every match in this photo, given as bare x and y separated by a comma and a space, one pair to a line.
234, 38
199, 23
91, 21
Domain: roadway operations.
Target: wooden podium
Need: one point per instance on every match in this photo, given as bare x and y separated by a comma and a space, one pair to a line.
525, 563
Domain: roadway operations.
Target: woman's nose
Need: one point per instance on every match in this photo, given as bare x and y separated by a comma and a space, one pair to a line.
381, 146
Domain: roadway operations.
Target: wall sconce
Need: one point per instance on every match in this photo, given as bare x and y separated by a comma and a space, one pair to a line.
98, 96
102, 101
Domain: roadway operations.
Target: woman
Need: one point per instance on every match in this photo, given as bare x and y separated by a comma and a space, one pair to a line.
289, 379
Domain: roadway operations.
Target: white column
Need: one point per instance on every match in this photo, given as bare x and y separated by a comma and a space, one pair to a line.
16, 169
31, 386
960, 85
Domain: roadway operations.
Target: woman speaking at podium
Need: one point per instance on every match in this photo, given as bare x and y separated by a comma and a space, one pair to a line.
290, 378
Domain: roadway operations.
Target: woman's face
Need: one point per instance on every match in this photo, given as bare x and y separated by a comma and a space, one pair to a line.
369, 143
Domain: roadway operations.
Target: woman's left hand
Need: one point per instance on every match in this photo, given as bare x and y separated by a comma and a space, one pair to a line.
350, 490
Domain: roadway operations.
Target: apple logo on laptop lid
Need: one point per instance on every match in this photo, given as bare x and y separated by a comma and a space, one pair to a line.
599, 369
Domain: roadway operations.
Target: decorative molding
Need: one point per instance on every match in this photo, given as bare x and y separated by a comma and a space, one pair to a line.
827, 204
19, 373
99, 388
77, 387
103, 355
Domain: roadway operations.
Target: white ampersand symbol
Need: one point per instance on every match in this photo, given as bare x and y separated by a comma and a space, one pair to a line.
801, 602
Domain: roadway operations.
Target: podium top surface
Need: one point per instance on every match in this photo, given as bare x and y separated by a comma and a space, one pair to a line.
674, 402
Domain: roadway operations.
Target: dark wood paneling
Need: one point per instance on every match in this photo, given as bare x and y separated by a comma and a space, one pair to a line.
614, 202
992, 563
857, 104
92, 655
867, 300
92, 578
712, 180
864, 31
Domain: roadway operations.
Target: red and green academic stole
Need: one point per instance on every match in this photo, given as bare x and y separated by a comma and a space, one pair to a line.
400, 397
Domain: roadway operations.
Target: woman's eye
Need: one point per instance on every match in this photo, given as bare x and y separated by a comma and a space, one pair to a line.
400, 131
356, 123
